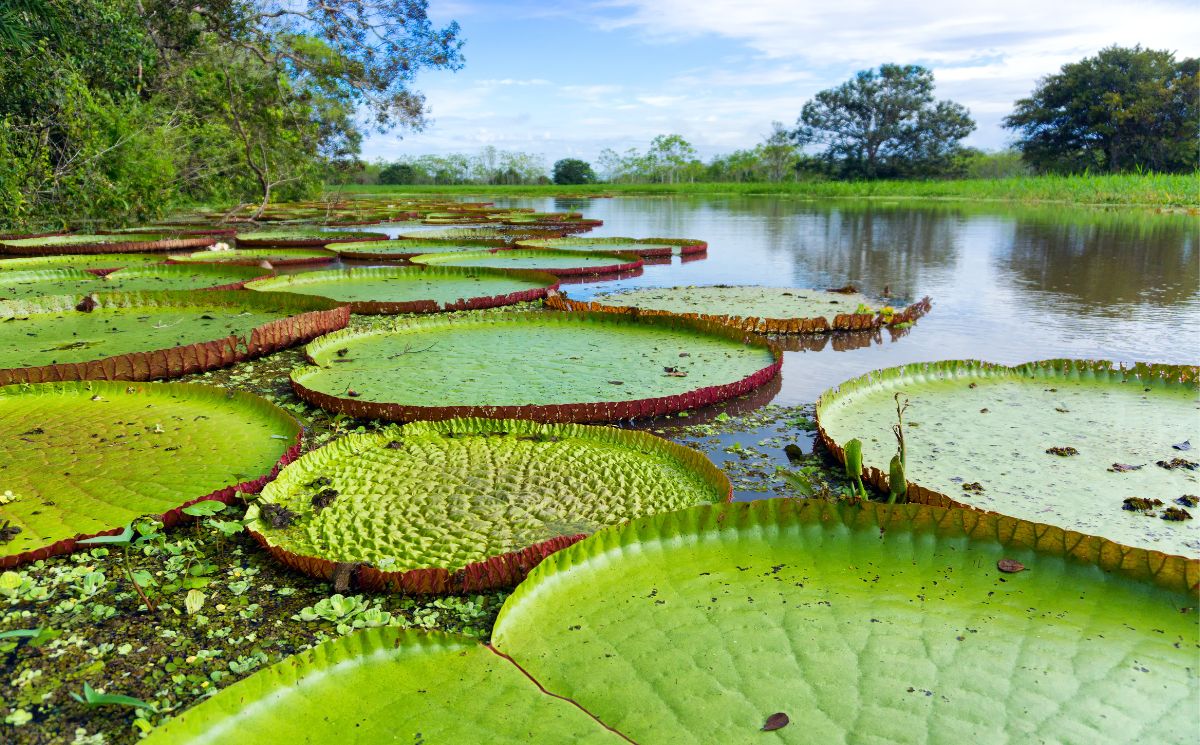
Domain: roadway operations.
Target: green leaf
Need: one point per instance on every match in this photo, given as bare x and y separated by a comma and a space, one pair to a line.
591, 366
973, 423
205, 508
20, 634
91, 699
256, 256
408, 289
469, 495
86, 457
386, 685
556, 261
830, 614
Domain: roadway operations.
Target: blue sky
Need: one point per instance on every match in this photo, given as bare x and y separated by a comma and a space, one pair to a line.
571, 78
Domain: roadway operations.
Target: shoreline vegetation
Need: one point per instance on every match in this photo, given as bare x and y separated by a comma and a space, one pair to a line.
1177, 192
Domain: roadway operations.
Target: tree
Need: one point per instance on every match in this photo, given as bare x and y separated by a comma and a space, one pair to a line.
573, 171
885, 123
778, 153
670, 156
1121, 110
398, 173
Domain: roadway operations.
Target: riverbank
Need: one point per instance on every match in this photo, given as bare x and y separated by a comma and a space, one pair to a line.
1165, 191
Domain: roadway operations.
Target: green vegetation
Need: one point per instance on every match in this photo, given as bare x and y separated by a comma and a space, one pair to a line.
1066, 468
573, 171
885, 124
113, 110
1122, 110
1128, 189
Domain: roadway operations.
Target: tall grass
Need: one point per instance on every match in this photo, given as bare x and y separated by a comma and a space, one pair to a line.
1143, 190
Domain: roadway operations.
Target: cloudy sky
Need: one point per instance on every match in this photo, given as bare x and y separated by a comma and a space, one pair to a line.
567, 79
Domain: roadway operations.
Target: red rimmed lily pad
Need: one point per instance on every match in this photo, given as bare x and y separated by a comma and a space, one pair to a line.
258, 256
415, 289
149, 335
112, 243
468, 504
639, 246
95, 263
542, 366
763, 310
406, 248
304, 238
560, 263
85, 458
1065, 442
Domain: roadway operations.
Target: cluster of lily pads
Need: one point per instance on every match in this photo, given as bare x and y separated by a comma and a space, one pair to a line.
642, 594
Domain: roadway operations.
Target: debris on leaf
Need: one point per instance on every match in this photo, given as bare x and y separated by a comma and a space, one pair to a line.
395, 445
1185, 445
352, 393
778, 720
616, 382
276, 515
1176, 514
1010, 566
1141, 504
8, 532
1122, 467
1063, 451
319, 483
846, 290
1188, 500
87, 305
974, 486
343, 352
322, 499
1174, 463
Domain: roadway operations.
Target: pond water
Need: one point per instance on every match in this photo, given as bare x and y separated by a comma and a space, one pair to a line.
1008, 284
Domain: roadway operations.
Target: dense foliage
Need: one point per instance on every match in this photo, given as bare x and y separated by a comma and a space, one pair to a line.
112, 109
885, 123
1124, 109
573, 171
489, 166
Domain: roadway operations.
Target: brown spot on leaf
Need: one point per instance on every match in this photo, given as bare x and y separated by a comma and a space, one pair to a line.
1010, 566
87, 305
1122, 467
1176, 514
1063, 451
778, 720
276, 515
1175, 463
1140, 504
974, 486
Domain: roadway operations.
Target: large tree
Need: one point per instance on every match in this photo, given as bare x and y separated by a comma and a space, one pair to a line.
109, 109
573, 171
1121, 110
885, 123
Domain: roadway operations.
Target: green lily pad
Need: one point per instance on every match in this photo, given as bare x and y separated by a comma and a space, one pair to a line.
38, 282
564, 263
298, 238
861, 624
386, 685
639, 246
982, 436
415, 289
773, 310
142, 336
492, 232
113, 243
821, 622
469, 504
542, 366
256, 256
406, 249
94, 263
88, 457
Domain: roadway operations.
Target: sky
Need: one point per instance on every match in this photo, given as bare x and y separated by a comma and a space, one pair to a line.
568, 79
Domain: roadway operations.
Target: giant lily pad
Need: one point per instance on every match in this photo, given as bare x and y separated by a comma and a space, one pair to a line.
386, 685
468, 504
94, 263
1059, 442
860, 624
491, 233
302, 238
85, 244
142, 336
85, 458
415, 289
542, 366
821, 622
563, 263
406, 249
149, 277
639, 246
766, 310
257, 256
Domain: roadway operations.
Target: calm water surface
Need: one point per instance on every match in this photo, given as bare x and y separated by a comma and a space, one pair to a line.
1008, 284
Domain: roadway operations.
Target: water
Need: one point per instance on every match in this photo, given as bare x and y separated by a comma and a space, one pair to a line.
1009, 284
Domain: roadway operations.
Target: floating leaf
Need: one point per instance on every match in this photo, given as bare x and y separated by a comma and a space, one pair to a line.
778, 720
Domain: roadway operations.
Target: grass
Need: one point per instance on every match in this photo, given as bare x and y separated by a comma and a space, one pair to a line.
1133, 190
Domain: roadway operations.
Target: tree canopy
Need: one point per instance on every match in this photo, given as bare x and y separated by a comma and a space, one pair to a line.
885, 123
573, 171
111, 109
1124, 109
